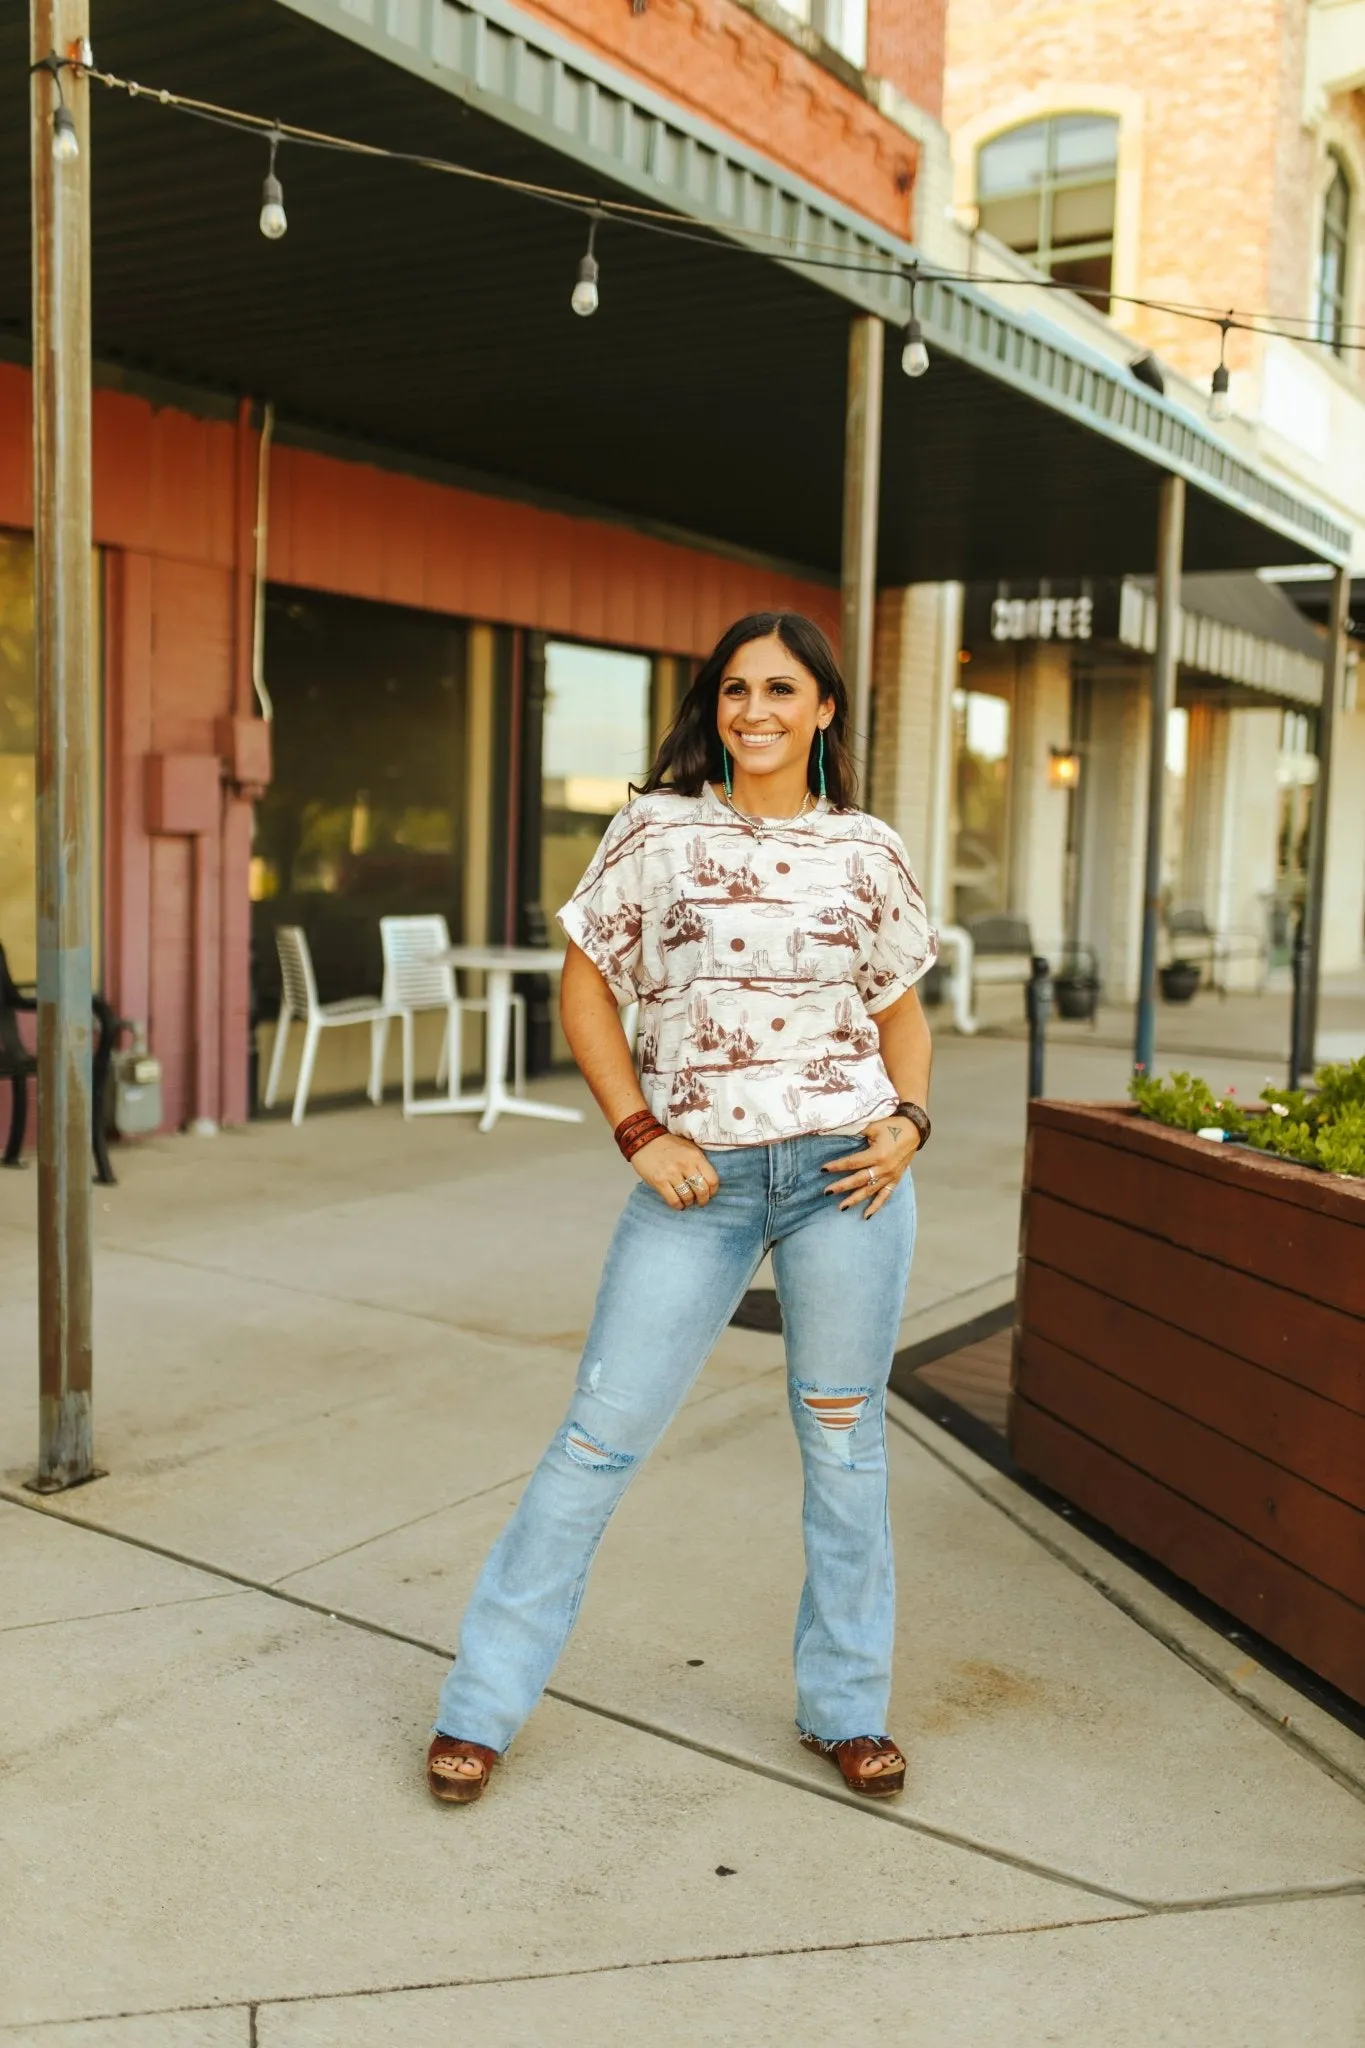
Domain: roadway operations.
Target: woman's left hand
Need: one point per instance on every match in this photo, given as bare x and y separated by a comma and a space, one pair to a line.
873, 1173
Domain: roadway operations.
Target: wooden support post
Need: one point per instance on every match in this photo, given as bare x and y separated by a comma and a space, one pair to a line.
1170, 544
1333, 674
64, 645
862, 480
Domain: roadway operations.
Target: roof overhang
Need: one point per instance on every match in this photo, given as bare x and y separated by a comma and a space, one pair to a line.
429, 317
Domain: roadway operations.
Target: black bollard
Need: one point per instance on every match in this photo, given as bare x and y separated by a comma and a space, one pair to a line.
1297, 1020
1037, 1008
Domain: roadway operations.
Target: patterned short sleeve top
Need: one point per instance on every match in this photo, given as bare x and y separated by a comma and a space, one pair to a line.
758, 960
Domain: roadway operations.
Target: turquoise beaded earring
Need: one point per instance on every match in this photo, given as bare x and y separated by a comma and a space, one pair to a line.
725, 768
821, 763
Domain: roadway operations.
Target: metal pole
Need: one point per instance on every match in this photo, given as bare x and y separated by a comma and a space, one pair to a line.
63, 603
1170, 542
1333, 670
862, 481
1037, 1008
1298, 1012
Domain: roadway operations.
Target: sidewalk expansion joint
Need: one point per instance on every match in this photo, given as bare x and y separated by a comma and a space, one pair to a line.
755, 1767
265, 2002
1133, 1611
776, 1772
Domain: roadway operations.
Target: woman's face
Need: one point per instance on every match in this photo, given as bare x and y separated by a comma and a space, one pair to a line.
770, 708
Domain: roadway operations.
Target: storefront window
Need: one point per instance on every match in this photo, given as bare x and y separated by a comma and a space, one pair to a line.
363, 817
596, 744
981, 729
18, 765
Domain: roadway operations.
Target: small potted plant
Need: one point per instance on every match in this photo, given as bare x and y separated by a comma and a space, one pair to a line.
1179, 980
1076, 984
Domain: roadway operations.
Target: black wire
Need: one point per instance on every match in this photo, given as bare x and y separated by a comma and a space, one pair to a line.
676, 227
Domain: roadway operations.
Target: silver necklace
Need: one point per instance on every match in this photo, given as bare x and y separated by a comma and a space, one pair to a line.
758, 826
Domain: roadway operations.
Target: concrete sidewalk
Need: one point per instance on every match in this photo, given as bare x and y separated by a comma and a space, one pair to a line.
327, 1360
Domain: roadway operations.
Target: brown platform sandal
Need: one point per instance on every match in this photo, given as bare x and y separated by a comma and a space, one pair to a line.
846, 1758
455, 1787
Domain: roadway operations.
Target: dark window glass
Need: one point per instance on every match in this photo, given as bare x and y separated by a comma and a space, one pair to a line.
364, 816
1046, 189
1332, 251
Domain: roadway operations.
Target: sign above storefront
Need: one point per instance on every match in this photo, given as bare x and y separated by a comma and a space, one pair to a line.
1042, 618
1071, 610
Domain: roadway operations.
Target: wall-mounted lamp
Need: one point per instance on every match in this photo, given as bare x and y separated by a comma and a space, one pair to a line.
1063, 768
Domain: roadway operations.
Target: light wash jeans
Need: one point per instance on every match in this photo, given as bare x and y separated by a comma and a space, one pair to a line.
671, 1283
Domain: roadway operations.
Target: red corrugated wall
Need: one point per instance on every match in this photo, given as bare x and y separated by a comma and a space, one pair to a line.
173, 507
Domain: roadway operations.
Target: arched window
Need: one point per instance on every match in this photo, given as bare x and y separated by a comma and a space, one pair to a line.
1047, 190
1330, 312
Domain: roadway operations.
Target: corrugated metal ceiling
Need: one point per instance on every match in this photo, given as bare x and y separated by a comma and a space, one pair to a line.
432, 317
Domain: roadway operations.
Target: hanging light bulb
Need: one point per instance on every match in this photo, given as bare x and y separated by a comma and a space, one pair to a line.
1220, 395
273, 222
585, 297
914, 355
66, 144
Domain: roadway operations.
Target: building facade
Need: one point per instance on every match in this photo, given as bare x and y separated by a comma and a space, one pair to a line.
401, 566
1209, 161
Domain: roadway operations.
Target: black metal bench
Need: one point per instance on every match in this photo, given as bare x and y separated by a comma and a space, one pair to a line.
18, 1064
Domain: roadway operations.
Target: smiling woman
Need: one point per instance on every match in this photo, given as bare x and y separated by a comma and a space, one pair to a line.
771, 935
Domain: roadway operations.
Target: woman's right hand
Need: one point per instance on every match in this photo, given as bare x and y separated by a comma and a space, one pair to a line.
678, 1170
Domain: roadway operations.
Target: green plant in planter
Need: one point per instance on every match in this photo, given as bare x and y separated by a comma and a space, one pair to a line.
1324, 1126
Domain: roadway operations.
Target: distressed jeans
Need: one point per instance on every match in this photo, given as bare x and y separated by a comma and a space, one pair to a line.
671, 1283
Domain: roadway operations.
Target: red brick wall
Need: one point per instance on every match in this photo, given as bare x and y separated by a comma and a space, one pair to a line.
720, 61
906, 45
170, 511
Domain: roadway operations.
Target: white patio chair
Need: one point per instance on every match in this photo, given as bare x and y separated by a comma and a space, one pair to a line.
299, 998
417, 978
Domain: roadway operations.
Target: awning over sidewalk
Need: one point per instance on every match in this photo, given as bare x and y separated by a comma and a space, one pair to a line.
430, 317
1238, 631
1241, 639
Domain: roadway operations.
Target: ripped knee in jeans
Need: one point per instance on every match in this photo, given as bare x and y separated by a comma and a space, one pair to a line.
838, 1410
585, 1450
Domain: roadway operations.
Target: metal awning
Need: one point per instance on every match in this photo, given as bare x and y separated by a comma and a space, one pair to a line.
429, 318
1245, 636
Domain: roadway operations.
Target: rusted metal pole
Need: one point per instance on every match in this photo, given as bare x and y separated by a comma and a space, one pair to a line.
63, 604
1333, 673
862, 483
1170, 547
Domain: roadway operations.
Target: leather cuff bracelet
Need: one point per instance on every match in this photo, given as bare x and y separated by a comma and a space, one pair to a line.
912, 1113
633, 1133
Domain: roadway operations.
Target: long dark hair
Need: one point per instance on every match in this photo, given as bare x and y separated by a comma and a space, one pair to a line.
691, 753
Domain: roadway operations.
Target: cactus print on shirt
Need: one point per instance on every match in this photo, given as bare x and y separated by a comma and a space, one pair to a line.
758, 963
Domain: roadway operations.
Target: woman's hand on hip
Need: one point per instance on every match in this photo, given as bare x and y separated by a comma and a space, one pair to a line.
873, 1174
678, 1170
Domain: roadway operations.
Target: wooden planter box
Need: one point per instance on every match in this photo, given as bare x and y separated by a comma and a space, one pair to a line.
1189, 1366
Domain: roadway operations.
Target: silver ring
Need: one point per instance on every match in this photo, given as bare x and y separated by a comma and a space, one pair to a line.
696, 1180
872, 1176
682, 1189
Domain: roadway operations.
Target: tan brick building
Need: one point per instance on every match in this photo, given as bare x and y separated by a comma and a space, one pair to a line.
1213, 158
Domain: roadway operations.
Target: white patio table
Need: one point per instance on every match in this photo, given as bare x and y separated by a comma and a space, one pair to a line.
496, 1099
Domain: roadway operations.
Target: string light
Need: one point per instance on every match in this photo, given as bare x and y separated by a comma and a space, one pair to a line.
585, 294
273, 222
1220, 395
914, 355
66, 144
720, 236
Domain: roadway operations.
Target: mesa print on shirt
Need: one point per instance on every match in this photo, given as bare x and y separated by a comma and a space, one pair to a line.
758, 961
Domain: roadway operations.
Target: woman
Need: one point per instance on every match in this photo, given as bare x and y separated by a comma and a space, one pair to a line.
772, 935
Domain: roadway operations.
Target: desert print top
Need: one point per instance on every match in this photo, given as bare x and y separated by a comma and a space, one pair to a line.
757, 961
